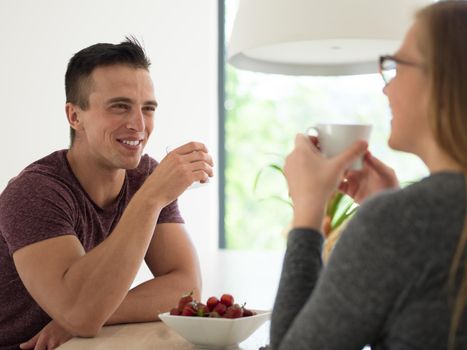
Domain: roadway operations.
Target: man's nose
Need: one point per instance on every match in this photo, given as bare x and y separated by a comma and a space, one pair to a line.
136, 121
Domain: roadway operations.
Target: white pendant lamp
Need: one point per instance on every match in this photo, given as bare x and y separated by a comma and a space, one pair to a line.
318, 37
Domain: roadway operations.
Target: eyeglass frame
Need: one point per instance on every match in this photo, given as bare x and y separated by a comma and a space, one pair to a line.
397, 61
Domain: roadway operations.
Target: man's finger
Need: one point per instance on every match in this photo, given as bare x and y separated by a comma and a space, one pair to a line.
191, 147
30, 343
198, 156
41, 343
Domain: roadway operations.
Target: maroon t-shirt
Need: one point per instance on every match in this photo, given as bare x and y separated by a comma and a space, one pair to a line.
46, 200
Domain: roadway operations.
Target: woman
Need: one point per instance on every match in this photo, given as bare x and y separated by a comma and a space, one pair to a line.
388, 281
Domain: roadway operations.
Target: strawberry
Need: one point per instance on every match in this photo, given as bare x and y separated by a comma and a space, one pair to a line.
175, 311
214, 314
185, 299
202, 310
247, 313
234, 311
220, 309
212, 302
227, 300
190, 309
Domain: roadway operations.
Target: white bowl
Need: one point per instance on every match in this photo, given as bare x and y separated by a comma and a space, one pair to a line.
215, 333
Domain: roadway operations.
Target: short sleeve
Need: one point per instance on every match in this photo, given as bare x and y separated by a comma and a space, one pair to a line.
171, 214
35, 207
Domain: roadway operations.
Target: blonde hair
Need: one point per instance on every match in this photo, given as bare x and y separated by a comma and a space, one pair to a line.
330, 242
442, 42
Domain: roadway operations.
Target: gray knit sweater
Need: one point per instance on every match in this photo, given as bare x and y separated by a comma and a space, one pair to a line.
386, 281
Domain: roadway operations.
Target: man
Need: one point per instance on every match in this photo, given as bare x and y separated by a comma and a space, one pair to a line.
76, 225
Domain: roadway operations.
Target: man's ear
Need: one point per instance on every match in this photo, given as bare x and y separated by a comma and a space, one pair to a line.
73, 115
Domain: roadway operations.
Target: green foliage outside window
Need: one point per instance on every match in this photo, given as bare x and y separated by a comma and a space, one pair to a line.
263, 114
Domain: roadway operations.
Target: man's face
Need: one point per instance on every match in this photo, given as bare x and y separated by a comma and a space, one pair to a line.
115, 128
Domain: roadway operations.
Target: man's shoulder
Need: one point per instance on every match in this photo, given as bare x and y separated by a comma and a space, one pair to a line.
144, 168
49, 171
53, 164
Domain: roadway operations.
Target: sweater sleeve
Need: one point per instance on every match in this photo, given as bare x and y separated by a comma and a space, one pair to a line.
302, 264
344, 305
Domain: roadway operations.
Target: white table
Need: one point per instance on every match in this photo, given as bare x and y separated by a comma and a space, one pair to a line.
249, 276
150, 336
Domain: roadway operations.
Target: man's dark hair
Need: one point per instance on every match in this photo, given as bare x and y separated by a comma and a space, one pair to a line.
78, 81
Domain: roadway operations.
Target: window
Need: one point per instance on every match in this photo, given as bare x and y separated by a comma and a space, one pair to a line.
263, 112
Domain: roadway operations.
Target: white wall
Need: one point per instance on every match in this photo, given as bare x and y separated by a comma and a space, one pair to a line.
180, 36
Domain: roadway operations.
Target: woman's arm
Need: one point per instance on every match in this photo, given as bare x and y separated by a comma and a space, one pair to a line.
344, 305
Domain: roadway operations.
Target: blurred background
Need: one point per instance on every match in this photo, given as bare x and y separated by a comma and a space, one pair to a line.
248, 120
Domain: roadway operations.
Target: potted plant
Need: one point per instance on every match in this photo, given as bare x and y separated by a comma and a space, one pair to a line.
340, 208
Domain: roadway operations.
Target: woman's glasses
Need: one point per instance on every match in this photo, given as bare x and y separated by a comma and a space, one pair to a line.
388, 65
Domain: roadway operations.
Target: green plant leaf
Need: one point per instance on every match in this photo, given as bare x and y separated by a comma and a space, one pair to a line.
334, 204
339, 209
349, 210
278, 198
275, 167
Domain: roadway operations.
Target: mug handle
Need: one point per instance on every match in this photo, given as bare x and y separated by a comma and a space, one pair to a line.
312, 128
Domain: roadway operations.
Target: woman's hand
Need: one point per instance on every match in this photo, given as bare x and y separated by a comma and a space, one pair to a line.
311, 178
374, 177
50, 337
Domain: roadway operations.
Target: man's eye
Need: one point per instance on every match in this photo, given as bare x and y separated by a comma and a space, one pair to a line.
150, 109
121, 106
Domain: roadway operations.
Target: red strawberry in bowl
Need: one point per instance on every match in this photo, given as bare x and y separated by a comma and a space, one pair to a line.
175, 311
202, 310
190, 309
185, 299
227, 299
234, 311
212, 302
220, 309
247, 313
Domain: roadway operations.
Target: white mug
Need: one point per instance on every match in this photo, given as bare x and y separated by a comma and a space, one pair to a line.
335, 138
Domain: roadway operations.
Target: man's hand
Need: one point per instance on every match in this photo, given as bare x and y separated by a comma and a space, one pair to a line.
373, 178
50, 337
178, 170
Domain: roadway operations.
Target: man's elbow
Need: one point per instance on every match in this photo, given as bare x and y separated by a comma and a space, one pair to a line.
85, 326
197, 285
87, 332
191, 282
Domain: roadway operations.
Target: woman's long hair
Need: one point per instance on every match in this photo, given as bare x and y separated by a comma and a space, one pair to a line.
443, 43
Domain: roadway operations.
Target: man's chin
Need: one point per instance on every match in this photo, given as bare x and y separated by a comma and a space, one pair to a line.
131, 164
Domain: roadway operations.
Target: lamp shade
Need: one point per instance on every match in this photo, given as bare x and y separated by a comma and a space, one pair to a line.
318, 37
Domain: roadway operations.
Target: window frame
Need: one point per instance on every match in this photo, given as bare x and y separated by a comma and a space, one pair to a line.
221, 62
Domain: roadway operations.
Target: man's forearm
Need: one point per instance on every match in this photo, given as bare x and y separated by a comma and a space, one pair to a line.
146, 301
99, 281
